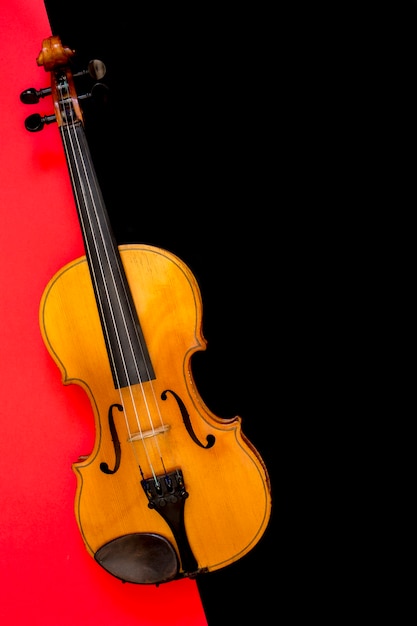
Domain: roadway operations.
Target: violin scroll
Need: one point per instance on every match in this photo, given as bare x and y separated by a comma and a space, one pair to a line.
55, 58
54, 54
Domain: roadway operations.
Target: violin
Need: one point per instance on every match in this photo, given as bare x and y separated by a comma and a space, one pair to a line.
169, 490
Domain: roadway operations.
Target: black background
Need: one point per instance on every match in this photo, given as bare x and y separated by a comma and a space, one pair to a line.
196, 148
262, 147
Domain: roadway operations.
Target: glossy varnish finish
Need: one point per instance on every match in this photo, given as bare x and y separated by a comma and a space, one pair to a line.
169, 489
228, 507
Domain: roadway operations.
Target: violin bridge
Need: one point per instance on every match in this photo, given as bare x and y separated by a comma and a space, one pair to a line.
148, 433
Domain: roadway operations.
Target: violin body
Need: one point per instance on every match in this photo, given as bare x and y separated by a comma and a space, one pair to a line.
169, 489
228, 506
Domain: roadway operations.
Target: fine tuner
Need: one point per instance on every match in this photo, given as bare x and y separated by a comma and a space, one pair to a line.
34, 123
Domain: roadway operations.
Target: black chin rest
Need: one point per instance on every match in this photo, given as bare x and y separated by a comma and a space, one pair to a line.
142, 558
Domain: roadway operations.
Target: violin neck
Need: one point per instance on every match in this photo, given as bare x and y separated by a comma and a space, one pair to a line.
128, 356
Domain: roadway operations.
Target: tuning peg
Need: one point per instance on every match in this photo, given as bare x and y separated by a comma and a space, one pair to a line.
98, 93
32, 96
35, 122
96, 70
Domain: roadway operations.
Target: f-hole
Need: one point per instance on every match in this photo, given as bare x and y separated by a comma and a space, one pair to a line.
187, 422
116, 443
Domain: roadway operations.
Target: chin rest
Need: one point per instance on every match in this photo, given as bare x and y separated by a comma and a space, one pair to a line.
142, 558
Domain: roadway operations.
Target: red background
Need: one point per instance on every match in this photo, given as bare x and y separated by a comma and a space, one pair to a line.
46, 575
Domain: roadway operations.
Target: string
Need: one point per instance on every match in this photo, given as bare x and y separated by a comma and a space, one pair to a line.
73, 144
